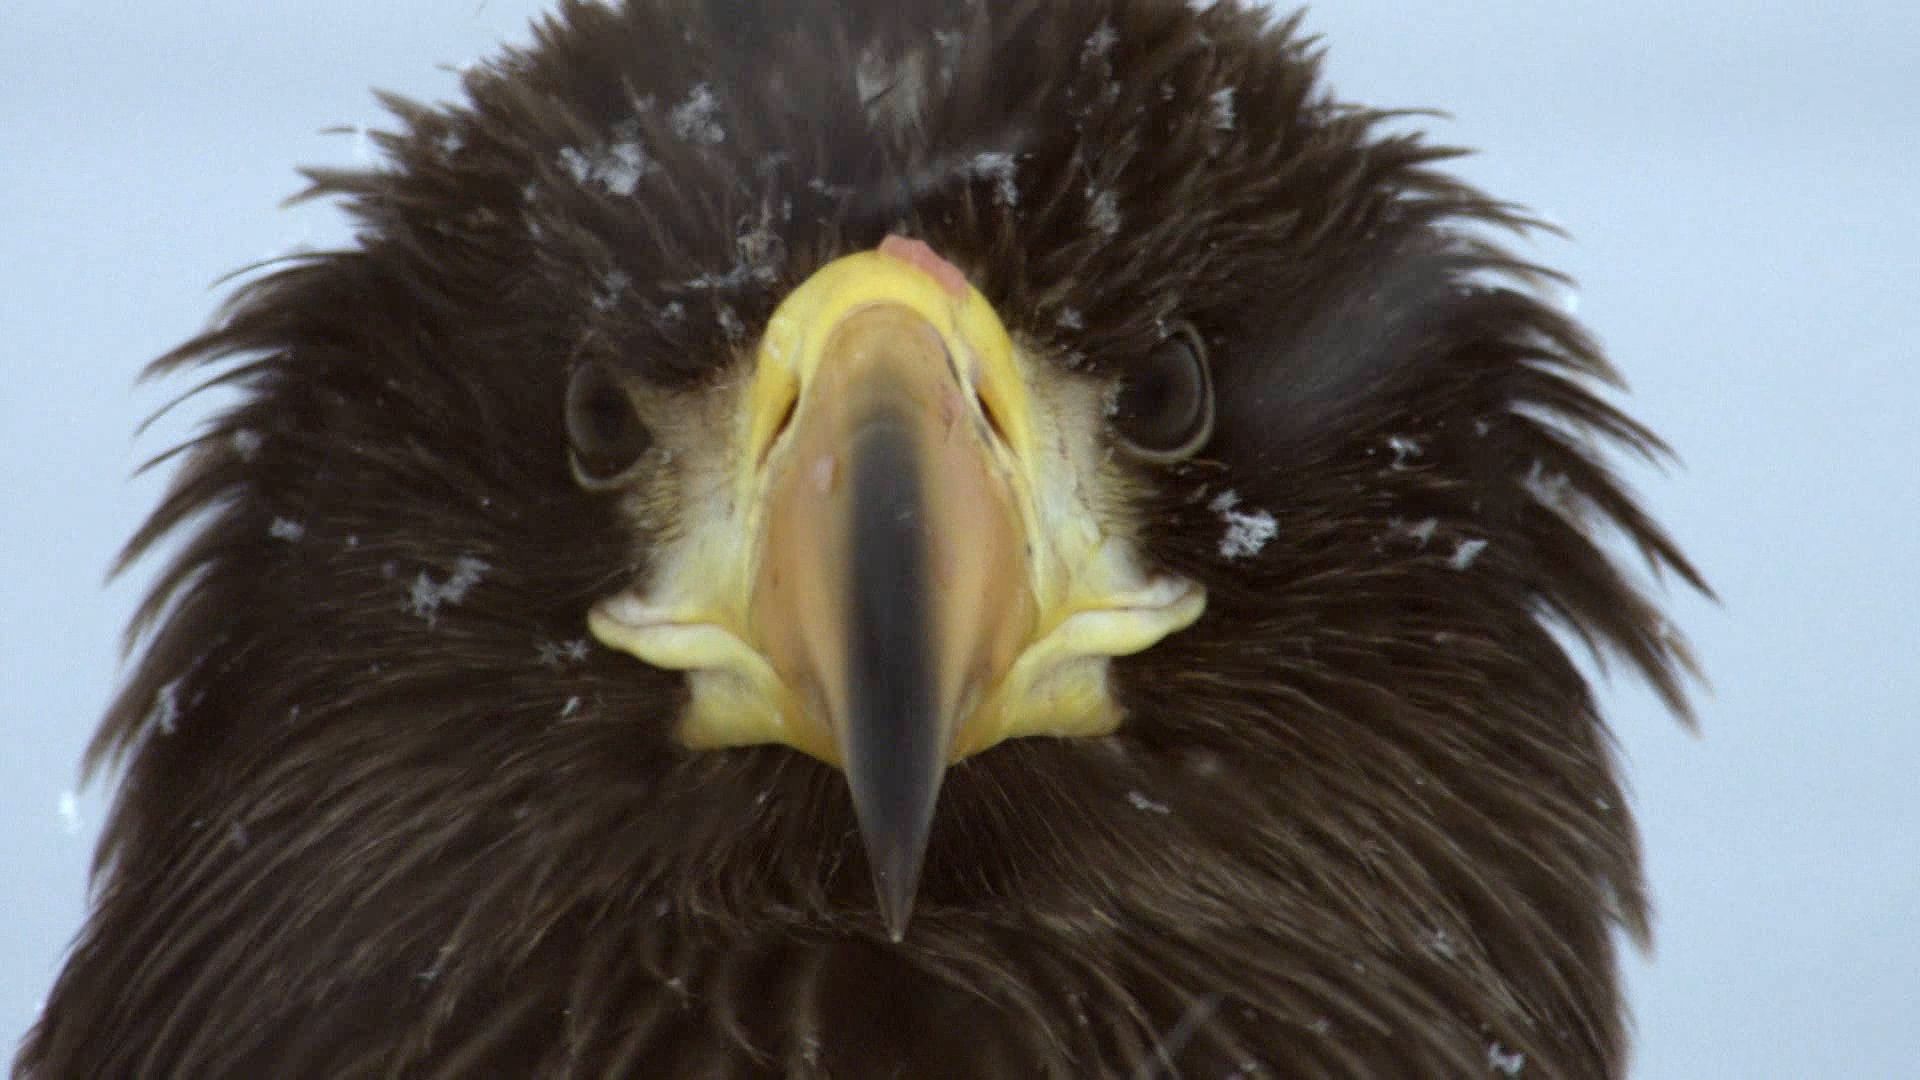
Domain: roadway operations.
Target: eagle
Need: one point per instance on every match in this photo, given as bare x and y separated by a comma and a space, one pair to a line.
860, 539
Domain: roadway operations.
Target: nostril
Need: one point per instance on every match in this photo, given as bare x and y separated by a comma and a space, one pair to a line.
780, 428
992, 416
786, 418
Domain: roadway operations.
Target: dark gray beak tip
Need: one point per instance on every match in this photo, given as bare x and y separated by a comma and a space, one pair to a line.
895, 741
895, 893
894, 802
895, 850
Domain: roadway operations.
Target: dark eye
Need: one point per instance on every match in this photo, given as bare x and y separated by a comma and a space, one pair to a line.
1164, 411
604, 430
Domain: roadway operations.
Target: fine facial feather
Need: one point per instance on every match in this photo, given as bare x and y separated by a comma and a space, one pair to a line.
384, 807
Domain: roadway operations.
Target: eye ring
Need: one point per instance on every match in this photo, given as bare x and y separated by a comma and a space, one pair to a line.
1163, 405
606, 437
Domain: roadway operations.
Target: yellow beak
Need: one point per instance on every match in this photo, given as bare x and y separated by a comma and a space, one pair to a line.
903, 568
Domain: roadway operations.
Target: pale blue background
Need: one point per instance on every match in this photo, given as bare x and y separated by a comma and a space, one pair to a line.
1740, 179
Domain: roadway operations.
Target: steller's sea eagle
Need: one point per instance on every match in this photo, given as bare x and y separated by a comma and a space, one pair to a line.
883, 540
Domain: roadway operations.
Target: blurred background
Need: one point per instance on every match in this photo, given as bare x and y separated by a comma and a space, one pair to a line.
1741, 183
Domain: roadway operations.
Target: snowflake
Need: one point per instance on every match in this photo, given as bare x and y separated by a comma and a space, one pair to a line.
427, 596
1248, 532
1466, 553
998, 166
1103, 212
696, 119
1139, 801
1221, 102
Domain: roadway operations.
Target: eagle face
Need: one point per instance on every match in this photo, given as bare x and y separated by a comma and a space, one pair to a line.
979, 540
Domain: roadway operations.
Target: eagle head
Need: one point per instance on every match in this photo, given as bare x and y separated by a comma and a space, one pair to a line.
865, 539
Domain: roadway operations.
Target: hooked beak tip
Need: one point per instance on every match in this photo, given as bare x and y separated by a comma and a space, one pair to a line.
895, 850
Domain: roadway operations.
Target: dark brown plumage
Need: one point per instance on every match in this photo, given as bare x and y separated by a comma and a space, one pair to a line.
386, 808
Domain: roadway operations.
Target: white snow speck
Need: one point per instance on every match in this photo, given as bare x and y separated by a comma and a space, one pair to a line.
427, 596
1099, 43
673, 312
287, 529
730, 323
617, 167
572, 707
1139, 801
1466, 553
164, 717
561, 653
1103, 212
1405, 449
623, 166
612, 287
696, 119
998, 166
577, 164
70, 813
826, 189
1420, 531
1248, 532
246, 443
449, 143
1071, 319
1443, 945
1504, 1061
1221, 102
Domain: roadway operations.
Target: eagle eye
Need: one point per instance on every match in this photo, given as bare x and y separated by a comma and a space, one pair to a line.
604, 430
1164, 409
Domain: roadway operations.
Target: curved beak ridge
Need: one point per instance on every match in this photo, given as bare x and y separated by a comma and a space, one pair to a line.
893, 589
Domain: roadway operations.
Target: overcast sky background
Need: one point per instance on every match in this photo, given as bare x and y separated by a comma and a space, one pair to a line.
1742, 182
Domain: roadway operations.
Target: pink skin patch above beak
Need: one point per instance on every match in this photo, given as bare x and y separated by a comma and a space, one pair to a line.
917, 254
